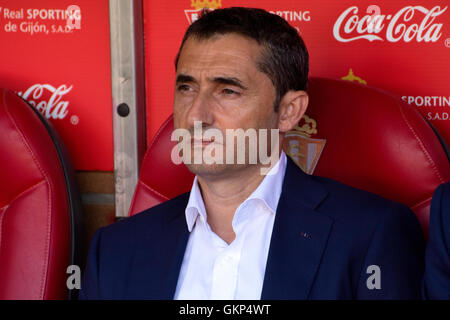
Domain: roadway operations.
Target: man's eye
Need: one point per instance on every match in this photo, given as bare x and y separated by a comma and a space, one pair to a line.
184, 87
230, 92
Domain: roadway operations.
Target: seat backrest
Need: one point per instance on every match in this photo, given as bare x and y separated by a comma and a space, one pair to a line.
361, 136
40, 208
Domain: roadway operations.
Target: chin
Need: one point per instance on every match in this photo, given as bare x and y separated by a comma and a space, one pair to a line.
208, 169
217, 170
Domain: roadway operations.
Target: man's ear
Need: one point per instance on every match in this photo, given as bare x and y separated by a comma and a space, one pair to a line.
292, 108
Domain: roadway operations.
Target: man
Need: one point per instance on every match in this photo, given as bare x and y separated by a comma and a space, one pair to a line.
437, 258
239, 234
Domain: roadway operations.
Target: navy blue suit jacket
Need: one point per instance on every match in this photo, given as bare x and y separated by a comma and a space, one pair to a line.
437, 258
324, 238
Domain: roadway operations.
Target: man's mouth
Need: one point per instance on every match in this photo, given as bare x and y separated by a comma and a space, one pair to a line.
202, 142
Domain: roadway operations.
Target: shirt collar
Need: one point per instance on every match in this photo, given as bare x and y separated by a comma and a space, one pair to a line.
195, 206
269, 191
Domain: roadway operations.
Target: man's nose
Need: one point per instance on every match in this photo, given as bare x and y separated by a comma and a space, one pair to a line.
201, 110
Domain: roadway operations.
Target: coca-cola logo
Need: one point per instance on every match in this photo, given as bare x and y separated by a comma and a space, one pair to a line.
403, 25
52, 108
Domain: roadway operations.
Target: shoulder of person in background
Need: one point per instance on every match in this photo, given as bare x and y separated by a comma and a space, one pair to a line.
436, 283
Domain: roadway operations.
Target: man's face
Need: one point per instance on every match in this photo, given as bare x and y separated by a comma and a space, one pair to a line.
219, 84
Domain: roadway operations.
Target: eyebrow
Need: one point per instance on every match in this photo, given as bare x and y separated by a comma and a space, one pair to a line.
184, 78
230, 81
233, 81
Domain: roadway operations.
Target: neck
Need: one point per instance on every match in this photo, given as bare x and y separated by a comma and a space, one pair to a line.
223, 195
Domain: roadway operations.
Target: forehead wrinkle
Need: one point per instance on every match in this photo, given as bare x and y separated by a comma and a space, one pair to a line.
202, 57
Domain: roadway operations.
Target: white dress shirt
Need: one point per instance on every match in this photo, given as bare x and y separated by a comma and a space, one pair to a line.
211, 268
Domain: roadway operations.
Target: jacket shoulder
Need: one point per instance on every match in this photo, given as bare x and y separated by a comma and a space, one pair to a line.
149, 221
345, 202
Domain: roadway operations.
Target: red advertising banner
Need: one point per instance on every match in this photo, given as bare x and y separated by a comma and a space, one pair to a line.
60, 62
56, 55
400, 46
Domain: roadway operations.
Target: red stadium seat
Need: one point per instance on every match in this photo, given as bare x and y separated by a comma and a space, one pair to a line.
374, 141
39, 205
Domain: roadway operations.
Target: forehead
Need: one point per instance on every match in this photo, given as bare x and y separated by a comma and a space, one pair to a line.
229, 54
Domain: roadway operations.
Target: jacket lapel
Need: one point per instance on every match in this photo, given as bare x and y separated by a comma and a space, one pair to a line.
299, 237
157, 266
178, 233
